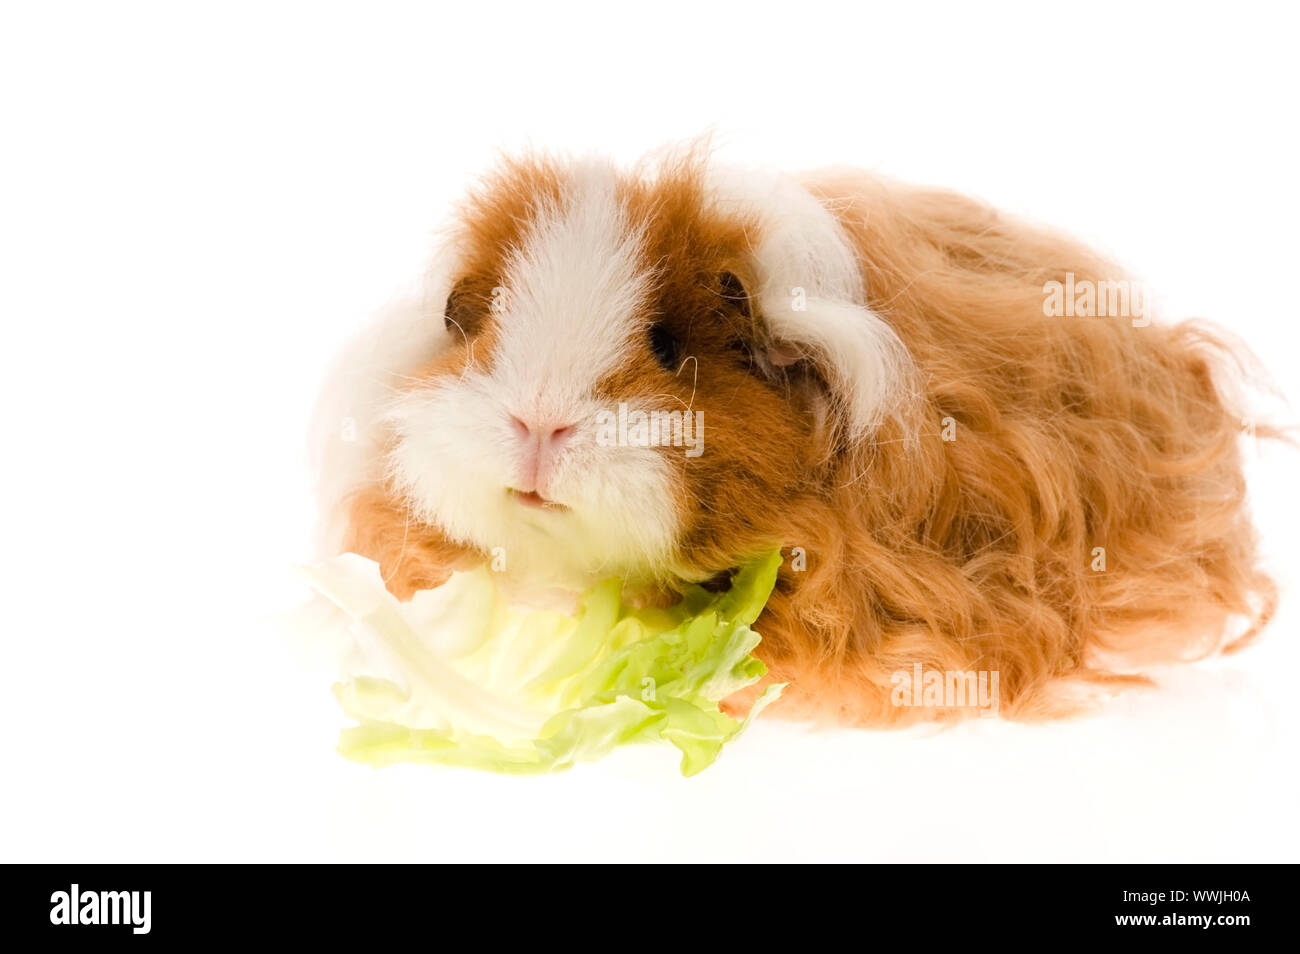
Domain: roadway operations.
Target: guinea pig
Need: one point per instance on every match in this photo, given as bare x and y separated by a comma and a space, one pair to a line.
661, 372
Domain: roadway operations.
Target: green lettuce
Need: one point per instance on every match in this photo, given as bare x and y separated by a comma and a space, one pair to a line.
460, 676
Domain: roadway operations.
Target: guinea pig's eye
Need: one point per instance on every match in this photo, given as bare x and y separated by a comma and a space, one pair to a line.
449, 310
458, 313
665, 345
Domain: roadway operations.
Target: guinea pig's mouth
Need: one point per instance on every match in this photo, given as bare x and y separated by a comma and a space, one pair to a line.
531, 498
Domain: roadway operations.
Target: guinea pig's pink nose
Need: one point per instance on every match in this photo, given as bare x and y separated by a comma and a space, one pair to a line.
542, 434
541, 442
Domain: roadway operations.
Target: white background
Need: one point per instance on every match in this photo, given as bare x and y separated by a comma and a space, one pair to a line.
200, 202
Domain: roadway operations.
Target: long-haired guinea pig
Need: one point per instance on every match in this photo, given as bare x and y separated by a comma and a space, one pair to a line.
658, 373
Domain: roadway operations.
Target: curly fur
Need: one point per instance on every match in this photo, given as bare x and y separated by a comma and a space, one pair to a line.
1071, 434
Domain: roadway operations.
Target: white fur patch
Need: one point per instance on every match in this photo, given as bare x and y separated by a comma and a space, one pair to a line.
572, 294
572, 297
346, 432
813, 297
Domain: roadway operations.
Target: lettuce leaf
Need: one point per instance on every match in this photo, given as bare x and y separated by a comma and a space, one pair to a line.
459, 676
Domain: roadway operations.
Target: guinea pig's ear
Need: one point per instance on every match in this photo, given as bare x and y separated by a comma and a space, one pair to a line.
811, 300
772, 354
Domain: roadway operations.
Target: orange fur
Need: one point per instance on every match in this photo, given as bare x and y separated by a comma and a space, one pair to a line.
1072, 433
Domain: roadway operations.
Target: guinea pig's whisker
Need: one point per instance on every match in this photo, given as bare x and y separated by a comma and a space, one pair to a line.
401, 553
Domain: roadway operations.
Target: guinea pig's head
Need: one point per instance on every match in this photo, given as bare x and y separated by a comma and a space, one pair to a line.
635, 374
